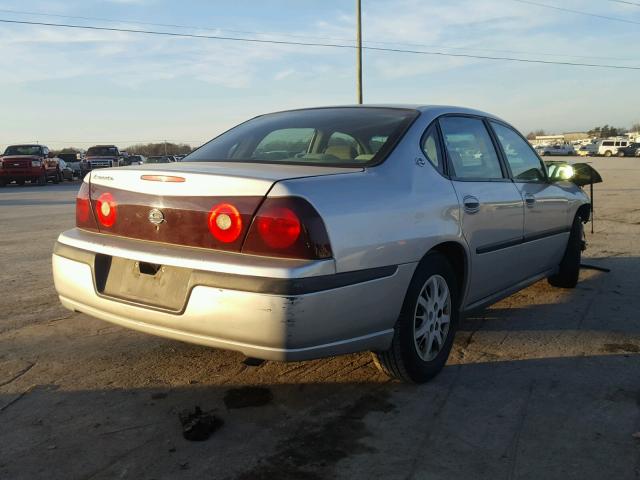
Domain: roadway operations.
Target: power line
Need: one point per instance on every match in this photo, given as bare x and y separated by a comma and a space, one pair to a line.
579, 12
626, 3
313, 44
290, 35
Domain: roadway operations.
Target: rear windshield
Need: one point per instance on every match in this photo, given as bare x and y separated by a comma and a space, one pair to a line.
348, 136
23, 150
102, 152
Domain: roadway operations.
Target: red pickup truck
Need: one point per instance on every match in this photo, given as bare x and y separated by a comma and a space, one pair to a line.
33, 163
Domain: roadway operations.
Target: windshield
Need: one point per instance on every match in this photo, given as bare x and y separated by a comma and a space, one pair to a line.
23, 150
347, 136
102, 152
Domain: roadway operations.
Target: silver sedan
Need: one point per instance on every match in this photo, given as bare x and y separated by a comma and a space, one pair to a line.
325, 231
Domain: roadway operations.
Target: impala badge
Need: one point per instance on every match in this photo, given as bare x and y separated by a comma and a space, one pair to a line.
156, 216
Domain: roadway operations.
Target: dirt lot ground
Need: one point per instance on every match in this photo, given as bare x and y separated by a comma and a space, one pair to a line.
546, 384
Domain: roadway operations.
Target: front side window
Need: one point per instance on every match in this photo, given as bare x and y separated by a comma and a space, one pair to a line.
470, 149
524, 163
347, 136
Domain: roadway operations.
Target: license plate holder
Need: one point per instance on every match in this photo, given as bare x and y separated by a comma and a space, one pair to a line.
161, 286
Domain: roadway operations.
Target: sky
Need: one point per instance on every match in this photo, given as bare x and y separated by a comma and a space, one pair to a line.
70, 87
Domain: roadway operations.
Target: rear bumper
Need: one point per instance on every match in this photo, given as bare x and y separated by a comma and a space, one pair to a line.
276, 318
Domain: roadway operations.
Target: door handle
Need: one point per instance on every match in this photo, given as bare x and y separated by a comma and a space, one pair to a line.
530, 200
471, 204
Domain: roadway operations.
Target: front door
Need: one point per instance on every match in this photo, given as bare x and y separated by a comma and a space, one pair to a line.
546, 221
491, 206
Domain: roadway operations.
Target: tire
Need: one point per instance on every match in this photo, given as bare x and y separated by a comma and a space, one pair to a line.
405, 359
3, 182
569, 268
20, 182
42, 179
607, 153
56, 177
621, 153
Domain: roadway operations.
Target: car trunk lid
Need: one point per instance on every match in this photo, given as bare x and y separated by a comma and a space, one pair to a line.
172, 203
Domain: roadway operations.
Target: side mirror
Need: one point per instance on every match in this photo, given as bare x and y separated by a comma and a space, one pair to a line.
579, 173
560, 172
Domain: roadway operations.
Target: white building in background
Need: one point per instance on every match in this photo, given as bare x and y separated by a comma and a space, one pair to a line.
633, 136
572, 137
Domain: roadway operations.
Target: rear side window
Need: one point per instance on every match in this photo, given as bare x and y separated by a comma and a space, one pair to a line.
470, 149
607, 144
524, 163
431, 149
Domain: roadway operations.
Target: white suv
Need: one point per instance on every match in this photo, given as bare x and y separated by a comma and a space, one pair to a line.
611, 147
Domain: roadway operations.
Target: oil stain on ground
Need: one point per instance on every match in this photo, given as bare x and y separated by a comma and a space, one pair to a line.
247, 397
313, 452
621, 348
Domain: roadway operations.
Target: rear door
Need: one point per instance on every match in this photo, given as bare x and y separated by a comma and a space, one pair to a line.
546, 212
491, 206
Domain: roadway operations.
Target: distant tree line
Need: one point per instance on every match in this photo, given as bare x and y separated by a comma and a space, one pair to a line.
151, 149
606, 131
148, 150
534, 134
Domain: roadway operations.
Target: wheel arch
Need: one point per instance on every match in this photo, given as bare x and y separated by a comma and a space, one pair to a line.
584, 212
457, 256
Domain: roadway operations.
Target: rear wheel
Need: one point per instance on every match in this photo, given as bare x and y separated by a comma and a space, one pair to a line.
427, 324
569, 268
20, 181
607, 153
620, 153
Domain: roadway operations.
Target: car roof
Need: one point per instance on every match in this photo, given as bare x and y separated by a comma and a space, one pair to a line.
431, 110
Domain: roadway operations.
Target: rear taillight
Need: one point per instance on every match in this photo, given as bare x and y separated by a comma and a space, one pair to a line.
106, 210
225, 222
279, 227
288, 227
84, 216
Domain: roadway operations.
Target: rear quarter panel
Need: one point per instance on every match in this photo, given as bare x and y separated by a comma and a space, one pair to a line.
390, 214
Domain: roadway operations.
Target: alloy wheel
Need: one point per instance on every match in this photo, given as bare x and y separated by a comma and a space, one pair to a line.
432, 318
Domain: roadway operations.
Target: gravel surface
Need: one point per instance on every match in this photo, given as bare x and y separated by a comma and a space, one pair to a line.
545, 384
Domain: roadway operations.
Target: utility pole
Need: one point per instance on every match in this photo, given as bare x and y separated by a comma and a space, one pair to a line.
359, 50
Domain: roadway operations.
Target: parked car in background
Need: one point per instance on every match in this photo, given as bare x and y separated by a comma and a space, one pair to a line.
28, 163
557, 149
72, 160
588, 150
610, 147
101, 156
631, 150
325, 231
132, 160
160, 159
66, 170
